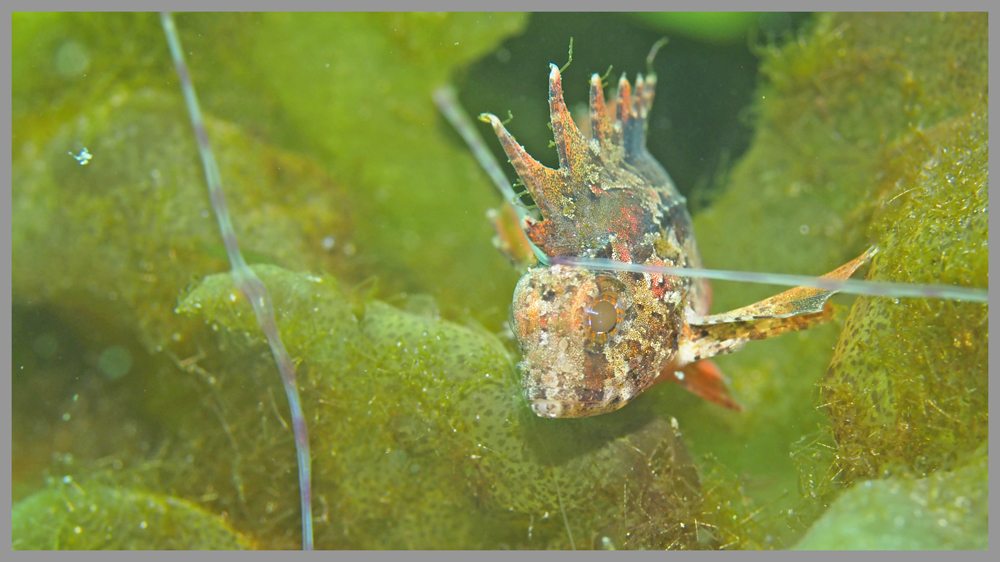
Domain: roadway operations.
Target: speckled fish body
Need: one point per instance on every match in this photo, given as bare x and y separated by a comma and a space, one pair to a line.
592, 341
609, 198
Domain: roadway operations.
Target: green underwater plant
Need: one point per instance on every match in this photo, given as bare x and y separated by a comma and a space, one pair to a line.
420, 438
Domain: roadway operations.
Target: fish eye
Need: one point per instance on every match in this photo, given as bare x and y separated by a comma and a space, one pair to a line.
602, 318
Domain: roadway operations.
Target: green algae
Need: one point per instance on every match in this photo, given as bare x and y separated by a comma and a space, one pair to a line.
139, 209
420, 436
715, 27
908, 384
834, 115
401, 459
945, 510
372, 120
71, 516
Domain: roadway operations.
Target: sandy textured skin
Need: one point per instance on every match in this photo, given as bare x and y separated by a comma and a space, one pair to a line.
592, 341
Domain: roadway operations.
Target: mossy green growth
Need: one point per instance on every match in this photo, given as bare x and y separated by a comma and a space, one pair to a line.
358, 88
420, 437
116, 240
138, 209
834, 107
909, 382
71, 516
947, 510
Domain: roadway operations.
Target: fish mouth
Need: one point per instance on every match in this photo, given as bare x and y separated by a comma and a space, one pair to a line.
562, 403
547, 408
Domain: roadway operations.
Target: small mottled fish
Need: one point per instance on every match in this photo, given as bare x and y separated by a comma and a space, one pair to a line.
620, 301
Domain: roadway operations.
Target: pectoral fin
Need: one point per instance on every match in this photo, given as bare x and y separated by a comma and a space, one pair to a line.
704, 379
793, 302
795, 309
720, 334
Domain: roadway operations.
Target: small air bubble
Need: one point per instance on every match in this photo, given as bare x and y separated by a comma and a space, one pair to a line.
329, 242
143, 525
804, 229
77, 530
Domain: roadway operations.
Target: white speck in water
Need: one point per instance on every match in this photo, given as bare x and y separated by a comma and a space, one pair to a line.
232, 297
329, 242
77, 530
804, 229
83, 158
66, 416
679, 375
143, 525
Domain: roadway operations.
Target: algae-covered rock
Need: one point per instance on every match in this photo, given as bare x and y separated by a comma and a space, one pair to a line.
71, 516
118, 238
909, 383
359, 92
945, 510
420, 438
833, 112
